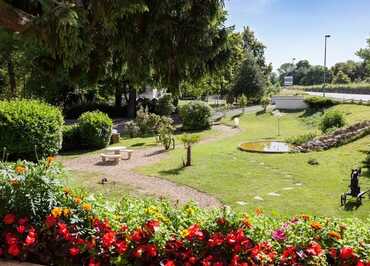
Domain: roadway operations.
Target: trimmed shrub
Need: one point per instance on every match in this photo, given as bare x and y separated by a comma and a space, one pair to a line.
195, 116
165, 105
318, 102
133, 129
95, 129
28, 126
71, 137
332, 120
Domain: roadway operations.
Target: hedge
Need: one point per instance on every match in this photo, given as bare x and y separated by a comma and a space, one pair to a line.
195, 116
62, 226
30, 129
95, 129
318, 102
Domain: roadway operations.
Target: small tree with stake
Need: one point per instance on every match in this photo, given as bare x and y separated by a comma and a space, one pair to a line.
243, 101
189, 141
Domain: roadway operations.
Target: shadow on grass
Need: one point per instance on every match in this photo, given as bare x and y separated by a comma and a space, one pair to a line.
175, 171
138, 144
310, 112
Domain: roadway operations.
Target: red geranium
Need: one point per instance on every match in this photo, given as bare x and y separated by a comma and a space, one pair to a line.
14, 250
138, 252
108, 239
169, 263
1, 252
121, 247
23, 221
216, 239
194, 231
151, 226
346, 253
74, 251
137, 235
93, 262
21, 229
11, 239
9, 218
31, 237
314, 249
50, 221
151, 250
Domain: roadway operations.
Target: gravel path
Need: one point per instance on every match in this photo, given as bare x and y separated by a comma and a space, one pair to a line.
124, 173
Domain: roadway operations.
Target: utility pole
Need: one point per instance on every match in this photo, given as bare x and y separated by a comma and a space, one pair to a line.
326, 38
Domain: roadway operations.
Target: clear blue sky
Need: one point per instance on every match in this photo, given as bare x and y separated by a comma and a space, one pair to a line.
295, 28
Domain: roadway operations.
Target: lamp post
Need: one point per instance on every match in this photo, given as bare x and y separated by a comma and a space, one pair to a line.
326, 38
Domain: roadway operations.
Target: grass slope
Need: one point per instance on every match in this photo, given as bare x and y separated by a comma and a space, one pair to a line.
220, 169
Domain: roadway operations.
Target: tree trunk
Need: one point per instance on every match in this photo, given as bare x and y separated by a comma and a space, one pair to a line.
188, 156
131, 108
118, 97
11, 74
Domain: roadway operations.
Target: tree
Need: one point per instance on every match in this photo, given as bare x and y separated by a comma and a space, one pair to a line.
364, 54
341, 78
165, 42
189, 141
257, 49
250, 80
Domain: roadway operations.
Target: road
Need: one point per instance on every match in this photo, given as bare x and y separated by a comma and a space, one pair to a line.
238, 111
342, 96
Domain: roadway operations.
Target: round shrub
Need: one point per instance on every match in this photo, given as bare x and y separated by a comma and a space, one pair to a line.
165, 105
71, 137
30, 129
196, 116
332, 120
95, 129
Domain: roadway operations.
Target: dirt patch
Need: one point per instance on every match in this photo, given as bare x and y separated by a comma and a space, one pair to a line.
150, 185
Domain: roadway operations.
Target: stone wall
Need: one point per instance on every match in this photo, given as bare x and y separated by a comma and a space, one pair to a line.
339, 137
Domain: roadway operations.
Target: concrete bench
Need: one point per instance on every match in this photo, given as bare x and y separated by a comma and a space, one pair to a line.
129, 153
110, 157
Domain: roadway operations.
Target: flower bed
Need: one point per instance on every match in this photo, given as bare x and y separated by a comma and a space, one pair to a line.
56, 225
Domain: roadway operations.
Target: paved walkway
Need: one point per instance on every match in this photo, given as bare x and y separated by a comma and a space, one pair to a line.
124, 172
342, 96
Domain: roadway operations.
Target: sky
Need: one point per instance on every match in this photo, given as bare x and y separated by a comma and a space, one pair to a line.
296, 28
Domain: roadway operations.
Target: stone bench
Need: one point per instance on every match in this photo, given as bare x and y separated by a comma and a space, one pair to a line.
129, 153
110, 157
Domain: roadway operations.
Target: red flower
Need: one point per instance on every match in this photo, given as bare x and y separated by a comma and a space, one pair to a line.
1, 252
151, 250
14, 250
138, 252
74, 251
11, 239
151, 226
194, 231
289, 256
93, 262
124, 228
314, 249
121, 247
346, 253
169, 263
108, 239
21, 229
216, 239
91, 244
31, 238
23, 221
50, 221
9, 218
137, 235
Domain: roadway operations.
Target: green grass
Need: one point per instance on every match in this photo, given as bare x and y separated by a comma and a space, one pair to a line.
223, 171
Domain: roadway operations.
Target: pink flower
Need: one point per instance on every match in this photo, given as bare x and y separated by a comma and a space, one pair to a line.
14, 250
279, 235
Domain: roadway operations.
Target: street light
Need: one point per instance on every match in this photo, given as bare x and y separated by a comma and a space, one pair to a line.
326, 38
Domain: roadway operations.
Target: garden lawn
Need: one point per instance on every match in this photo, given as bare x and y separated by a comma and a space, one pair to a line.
237, 177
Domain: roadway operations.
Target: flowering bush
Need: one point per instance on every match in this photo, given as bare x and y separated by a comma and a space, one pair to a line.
77, 229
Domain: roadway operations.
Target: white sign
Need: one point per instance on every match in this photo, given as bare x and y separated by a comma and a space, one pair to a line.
288, 81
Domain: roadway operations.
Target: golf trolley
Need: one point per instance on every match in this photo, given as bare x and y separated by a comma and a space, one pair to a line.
355, 190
